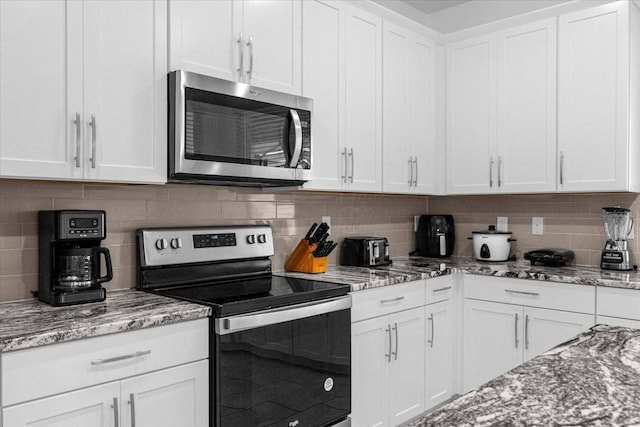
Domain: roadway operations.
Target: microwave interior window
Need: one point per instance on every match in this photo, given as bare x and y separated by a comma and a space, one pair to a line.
215, 123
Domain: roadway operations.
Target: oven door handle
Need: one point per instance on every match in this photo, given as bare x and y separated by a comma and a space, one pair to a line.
243, 322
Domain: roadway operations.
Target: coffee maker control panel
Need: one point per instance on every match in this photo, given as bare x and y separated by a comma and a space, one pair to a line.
81, 225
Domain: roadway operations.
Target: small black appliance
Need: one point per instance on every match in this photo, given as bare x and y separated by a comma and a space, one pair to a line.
551, 257
436, 236
365, 251
69, 254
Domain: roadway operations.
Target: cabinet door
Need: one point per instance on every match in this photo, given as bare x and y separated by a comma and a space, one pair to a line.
527, 108
323, 80
89, 407
272, 44
616, 321
593, 93
204, 37
125, 66
406, 380
471, 115
440, 334
544, 329
363, 100
492, 342
171, 397
40, 89
370, 358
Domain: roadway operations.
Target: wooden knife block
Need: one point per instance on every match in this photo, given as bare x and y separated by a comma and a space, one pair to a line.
303, 261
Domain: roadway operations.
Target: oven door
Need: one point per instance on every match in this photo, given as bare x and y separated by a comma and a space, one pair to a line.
284, 367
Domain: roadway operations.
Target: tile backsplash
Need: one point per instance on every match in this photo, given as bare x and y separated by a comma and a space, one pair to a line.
570, 221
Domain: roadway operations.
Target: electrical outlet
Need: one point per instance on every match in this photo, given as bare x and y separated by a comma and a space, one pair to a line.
537, 225
416, 220
502, 223
327, 220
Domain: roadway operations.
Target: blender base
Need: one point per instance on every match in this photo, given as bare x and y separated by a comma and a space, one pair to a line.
616, 260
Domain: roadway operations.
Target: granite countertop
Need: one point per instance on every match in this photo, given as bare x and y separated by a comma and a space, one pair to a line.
593, 380
407, 269
25, 324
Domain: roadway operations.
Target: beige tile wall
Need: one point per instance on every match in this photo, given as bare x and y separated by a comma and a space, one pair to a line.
132, 206
572, 221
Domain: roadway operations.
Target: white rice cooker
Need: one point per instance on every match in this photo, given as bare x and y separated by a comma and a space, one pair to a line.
491, 244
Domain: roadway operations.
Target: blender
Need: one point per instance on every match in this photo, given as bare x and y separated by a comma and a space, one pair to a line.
618, 223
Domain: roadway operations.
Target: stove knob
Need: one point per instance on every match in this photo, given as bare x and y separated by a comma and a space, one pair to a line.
161, 244
262, 238
176, 243
251, 239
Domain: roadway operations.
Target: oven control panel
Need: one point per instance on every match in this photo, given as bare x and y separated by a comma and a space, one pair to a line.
181, 245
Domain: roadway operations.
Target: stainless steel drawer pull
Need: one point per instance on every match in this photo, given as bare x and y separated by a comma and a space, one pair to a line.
92, 123
388, 355
116, 415
533, 294
78, 136
410, 171
395, 354
516, 330
346, 172
441, 289
386, 301
133, 409
430, 341
526, 332
119, 358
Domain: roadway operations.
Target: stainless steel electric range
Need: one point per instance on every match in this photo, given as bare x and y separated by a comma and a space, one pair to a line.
280, 346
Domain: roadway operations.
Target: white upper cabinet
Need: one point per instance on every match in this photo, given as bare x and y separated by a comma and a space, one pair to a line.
84, 96
501, 116
257, 42
598, 95
409, 153
526, 148
342, 73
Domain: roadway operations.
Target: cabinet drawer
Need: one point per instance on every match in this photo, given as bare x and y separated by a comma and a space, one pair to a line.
618, 302
43, 371
533, 293
439, 289
388, 299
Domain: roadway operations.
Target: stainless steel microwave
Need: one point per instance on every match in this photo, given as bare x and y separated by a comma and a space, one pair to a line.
231, 133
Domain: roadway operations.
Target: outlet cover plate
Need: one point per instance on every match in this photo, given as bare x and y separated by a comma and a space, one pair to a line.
537, 223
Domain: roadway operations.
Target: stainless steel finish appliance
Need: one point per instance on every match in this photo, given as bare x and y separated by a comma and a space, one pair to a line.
280, 346
365, 251
231, 133
618, 224
436, 236
69, 257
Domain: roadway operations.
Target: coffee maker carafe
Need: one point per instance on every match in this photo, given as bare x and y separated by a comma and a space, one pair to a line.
69, 257
618, 223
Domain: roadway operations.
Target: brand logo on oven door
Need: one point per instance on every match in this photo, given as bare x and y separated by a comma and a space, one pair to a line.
294, 423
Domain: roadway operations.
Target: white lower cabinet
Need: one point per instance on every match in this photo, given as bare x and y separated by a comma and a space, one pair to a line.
619, 307
171, 397
150, 377
505, 323
440, 362
388, 353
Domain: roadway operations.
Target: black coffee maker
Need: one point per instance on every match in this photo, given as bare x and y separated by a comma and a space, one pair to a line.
69, 256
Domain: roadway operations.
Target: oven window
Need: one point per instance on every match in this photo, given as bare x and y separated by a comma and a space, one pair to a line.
277, 375
235, 130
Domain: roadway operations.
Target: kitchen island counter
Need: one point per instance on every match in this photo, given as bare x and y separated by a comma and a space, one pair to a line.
25, 324
407, 269
593, 379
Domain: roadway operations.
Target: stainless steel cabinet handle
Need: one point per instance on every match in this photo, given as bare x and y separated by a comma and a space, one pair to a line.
499, 168
297, 148
78, 136
386, 301
388, 355
410, 171
133, 409
561, 167
526, 332
352, 166
241, 52
119, 358
116, 415
430, 341
441, 289
250, 70
516, 330
345, 172
415, 179
395, 354
92, 123
490, 172
533, 294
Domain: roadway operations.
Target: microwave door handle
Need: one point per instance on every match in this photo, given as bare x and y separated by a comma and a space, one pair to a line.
297, 148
